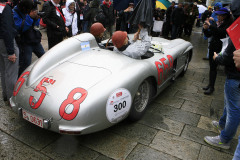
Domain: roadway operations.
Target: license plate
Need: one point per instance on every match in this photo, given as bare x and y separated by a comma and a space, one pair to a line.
32, 118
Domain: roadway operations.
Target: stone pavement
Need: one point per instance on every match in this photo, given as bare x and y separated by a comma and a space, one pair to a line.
172, 128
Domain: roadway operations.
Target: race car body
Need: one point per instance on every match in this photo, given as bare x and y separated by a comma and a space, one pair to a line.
78, 88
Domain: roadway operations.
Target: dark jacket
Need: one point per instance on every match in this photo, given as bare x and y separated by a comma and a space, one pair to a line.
226, 59
109, 14
52, 20
93, 11
7, 29
177, 17
217, 33
169, 13
124, 16
206, 15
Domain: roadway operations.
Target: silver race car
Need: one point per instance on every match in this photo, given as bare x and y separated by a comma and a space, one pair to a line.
78, 88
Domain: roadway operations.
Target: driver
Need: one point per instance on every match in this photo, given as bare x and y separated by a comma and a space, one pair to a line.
97, 30
132, 49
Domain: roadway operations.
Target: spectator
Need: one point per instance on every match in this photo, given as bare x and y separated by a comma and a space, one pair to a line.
217, 6
85, 9
9, 51
207, 14
97, 30
167, 26
71, 18
158, 22
193, 14
107, 8
25, 18
79, 11
177, 20
216, 30
92, 13
55, 22
134, 50
230, 119
186, 15
124, 15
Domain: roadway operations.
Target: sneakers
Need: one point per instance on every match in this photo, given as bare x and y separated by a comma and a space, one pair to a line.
216, 141
217, 126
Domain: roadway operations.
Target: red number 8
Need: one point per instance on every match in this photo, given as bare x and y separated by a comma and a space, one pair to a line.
22, 80
75, 103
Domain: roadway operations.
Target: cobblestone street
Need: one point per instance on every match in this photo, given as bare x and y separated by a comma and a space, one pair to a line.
172, 128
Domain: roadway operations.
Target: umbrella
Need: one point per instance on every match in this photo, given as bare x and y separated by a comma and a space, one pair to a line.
163, 4
142, 14
201, 8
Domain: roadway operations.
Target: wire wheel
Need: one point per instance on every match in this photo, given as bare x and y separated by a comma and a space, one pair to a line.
186, 65
140, 101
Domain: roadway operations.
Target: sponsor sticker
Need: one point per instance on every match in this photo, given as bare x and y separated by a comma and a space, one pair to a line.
118, 105
85, 46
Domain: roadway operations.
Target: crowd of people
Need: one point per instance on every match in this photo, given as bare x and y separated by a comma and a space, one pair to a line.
19, 39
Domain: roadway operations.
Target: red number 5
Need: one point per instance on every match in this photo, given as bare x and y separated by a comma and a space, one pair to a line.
75, 102
41, 88
22, 80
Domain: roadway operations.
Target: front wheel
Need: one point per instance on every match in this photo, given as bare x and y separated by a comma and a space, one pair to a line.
140, 102
186, 65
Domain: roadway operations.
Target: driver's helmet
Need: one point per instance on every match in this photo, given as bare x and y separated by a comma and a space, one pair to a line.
96, 29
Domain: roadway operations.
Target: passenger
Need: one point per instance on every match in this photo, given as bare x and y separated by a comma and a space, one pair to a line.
134, 49
97, 30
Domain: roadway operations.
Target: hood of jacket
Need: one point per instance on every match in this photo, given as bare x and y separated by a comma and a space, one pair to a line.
68, 4
95, 4
218, 4
235, 8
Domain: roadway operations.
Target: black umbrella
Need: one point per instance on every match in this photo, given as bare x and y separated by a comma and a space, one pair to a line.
142, 14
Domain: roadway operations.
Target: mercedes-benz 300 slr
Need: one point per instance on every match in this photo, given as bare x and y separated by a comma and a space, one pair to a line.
78, 88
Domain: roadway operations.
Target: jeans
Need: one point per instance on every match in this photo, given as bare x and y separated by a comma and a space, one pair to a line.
237, 151
231, 114
175, 30
26, 55
85, 26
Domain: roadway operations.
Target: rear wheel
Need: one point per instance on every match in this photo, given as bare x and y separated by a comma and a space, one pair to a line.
140, 101
186, 65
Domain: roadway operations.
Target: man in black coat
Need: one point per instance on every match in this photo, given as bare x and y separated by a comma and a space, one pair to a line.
167, 25
177, 20
55, 21
107, 8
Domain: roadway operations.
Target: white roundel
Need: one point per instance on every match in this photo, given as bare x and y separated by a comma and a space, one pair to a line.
118, 105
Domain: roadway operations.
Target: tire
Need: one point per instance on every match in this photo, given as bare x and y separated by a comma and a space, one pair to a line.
140, 101
185, 66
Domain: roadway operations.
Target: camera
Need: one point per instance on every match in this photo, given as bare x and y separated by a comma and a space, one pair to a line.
41, 14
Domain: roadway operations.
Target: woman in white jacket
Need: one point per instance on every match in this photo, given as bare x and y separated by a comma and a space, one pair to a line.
71, 17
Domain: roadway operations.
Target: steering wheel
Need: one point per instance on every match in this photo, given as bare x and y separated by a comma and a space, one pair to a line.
108, 42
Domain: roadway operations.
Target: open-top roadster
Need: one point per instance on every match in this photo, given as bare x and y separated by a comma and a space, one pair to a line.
78, 88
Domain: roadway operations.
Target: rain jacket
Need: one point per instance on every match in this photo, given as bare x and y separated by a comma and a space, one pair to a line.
71, 18
18, 19
137, 49
214, 16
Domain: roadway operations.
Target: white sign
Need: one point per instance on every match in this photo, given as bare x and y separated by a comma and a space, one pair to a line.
118, 105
